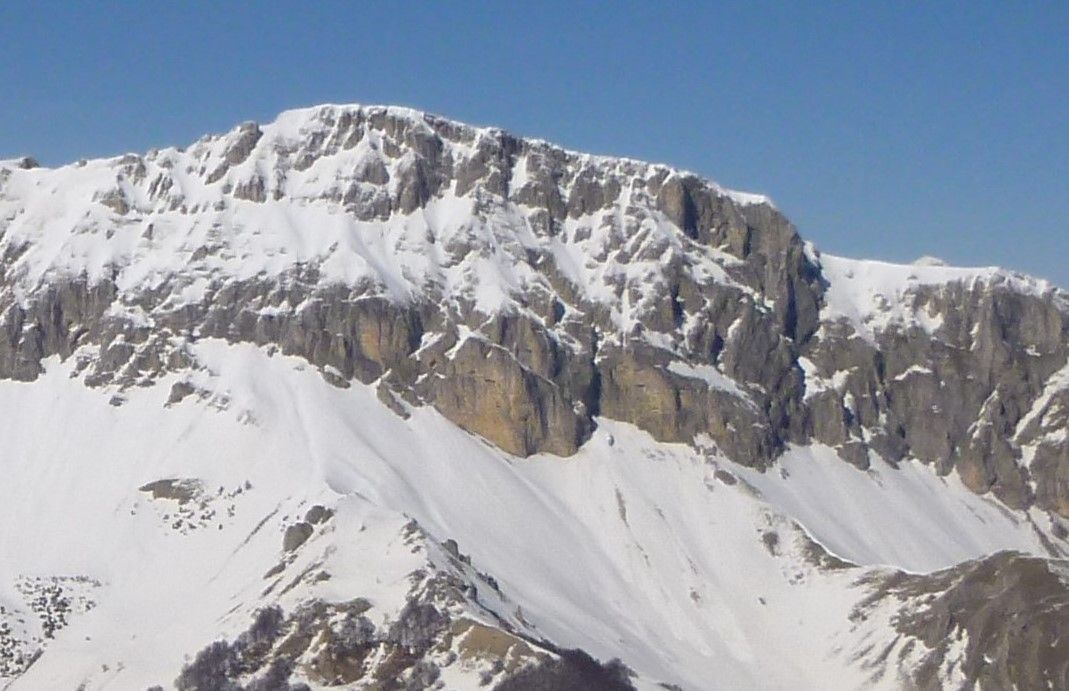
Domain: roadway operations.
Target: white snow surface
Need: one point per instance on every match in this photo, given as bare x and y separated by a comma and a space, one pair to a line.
631, 548
906, 517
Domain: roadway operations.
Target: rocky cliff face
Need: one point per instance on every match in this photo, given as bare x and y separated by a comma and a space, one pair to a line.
998, 622
525, 291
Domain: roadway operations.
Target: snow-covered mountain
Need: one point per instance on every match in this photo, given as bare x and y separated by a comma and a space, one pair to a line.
367, 398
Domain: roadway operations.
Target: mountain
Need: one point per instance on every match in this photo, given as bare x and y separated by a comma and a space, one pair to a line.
368, 398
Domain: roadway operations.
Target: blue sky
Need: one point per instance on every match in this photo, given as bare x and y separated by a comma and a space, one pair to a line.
885, 130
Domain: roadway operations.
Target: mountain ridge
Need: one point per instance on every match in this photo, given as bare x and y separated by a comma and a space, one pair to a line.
571, 402
564, 237
417, 114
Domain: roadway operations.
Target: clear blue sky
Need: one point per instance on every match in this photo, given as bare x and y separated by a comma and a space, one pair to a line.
885, 130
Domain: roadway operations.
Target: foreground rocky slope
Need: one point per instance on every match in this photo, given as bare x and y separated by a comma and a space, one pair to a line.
600, 317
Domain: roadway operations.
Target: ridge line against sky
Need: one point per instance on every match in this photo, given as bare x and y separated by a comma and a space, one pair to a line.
883, 132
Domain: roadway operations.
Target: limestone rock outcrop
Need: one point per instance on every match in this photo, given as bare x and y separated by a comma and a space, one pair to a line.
525, 291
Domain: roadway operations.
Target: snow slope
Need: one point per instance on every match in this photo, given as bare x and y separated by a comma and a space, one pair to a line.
650, 552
